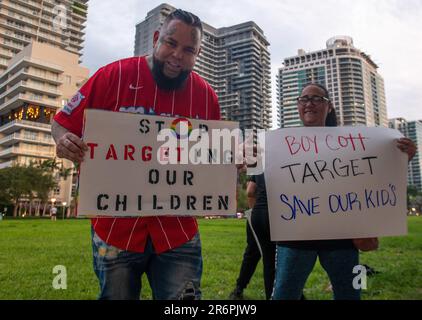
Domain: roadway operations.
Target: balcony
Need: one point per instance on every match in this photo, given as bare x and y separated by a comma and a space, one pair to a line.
17, 102
73, 50
19, 28
42, 89
25, 85
21, 9
14, 138
56, 40
26, 62
4, 64
8, 34
12, 45
50, 11
23, 74
29, 3
6, 53
17, 125
18, 17
50, 79
78, 29
18, 151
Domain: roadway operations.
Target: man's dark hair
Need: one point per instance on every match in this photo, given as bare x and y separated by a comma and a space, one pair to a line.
331, 120
185, 16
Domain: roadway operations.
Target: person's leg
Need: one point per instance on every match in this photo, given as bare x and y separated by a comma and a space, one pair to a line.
339, 266
176, 274
269, 253
119, 272
293, 267
250, 260
261, 226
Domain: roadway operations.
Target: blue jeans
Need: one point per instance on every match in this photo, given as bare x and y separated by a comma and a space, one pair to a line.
295, 265
172, 275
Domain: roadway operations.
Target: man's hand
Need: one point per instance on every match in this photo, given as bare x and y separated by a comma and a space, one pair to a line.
71, 147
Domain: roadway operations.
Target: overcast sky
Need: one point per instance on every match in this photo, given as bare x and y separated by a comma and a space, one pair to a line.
390, 31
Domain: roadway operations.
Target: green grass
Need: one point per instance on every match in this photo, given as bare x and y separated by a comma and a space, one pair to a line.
29, 250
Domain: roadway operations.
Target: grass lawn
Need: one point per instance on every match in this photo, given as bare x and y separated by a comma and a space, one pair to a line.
29, 250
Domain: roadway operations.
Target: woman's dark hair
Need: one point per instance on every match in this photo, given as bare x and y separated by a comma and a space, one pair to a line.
185, 16
331, 120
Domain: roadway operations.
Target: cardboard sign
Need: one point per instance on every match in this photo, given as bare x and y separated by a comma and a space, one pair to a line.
128, 172
335, 183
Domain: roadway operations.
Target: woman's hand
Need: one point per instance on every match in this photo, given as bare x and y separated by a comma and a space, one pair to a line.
408, 146
366, 244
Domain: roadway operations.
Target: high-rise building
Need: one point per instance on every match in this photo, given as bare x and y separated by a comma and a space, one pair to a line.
59, 23
413, 131
41, 44
38, 81
235, 61
350, 75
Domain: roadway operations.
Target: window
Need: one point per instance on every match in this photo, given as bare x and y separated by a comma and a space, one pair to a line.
30, 135
35, 96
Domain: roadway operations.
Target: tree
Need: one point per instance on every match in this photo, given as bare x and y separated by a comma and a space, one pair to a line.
5, 199
17, 185
414, 199
242, 199
412, 193
25, 182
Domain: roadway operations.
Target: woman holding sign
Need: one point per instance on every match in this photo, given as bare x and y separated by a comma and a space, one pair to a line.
339, 258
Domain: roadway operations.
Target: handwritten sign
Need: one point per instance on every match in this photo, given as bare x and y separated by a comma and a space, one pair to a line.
335, 183
125, 171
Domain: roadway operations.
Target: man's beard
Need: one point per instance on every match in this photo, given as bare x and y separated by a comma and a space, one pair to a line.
164, 82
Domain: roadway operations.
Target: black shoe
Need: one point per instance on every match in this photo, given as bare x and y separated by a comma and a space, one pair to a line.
236, 294
370, 271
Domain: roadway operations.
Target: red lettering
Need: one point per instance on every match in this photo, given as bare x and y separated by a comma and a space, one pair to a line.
129, 151
361, 141
111, 153
340, 139
146, 154
91, 146
314, 140
164, 154
345, 142
352, 141
291, 143
305, 144
179, 150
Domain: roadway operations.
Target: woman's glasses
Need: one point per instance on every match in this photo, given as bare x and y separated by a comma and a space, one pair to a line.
315, 100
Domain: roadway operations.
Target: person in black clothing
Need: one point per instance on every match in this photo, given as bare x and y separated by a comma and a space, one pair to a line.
262, 244
251, 257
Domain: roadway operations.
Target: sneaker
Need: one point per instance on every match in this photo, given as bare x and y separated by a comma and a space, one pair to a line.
370, 271
236, 294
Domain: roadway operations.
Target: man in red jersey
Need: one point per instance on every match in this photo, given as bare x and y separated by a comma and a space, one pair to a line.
167, 249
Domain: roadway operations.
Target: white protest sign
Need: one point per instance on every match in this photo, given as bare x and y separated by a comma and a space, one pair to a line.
335, 183
128, 172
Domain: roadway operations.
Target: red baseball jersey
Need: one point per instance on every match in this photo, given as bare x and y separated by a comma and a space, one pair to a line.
128, 86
